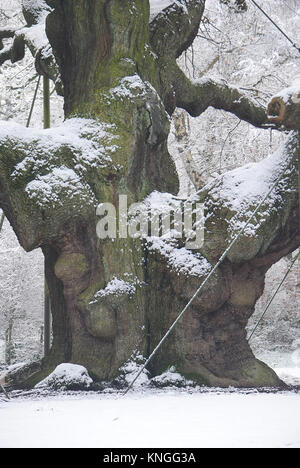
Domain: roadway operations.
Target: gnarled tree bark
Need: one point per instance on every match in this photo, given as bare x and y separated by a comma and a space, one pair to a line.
120, 79
284, 109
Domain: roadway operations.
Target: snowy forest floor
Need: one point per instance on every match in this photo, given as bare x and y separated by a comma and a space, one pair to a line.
185, 418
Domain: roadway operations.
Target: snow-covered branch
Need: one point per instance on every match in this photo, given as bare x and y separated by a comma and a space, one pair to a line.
15, 52
196, 96
6, 33
174, 29
232, 197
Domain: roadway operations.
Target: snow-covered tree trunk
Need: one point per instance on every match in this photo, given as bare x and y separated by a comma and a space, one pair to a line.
111, 298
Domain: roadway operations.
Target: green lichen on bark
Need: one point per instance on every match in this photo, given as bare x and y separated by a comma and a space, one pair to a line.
120, 80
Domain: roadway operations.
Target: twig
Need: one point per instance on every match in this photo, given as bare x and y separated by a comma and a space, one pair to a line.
2, 217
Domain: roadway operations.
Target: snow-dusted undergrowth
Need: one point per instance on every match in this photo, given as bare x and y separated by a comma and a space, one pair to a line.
67, 377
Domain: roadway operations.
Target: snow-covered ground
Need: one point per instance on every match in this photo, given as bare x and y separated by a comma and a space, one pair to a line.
161, 419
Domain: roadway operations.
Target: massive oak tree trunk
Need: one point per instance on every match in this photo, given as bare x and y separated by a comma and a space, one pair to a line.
112, 298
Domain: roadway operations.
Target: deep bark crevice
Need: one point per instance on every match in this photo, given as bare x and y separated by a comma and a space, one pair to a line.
112, 298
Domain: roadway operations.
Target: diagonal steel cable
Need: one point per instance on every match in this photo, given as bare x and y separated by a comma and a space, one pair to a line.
276, 25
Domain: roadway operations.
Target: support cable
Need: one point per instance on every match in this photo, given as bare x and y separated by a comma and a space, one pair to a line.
47, 303
201, 287
276, 25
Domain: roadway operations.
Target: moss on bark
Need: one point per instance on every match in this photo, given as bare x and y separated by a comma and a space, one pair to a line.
122, 81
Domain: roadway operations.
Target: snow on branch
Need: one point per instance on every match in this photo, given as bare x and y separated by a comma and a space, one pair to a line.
156, 6
6, 33
15, 52
233, 196
47, 170
175, 27
284, 108
196, 96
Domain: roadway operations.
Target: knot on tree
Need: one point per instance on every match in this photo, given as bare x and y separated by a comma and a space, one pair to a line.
284, 108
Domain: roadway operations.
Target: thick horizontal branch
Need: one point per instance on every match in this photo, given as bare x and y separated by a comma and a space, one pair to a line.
195, 97
174, 29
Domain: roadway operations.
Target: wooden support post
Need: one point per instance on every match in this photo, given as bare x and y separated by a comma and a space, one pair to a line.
33, 101
46, 100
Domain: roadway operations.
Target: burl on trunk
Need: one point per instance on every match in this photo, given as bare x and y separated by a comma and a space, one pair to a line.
111, 298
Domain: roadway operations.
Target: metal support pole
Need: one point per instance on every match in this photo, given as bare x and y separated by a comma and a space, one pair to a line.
47, 305
47, 320
299, 175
